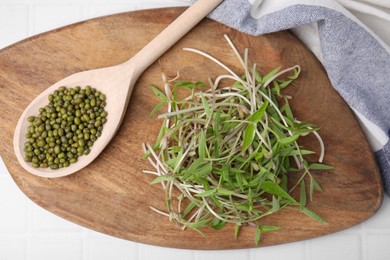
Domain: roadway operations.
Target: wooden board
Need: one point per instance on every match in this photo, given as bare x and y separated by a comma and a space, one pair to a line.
112, 195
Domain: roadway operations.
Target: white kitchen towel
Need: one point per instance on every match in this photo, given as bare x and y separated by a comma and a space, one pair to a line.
354, 51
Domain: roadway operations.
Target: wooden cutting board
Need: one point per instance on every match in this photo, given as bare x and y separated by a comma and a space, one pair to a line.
112, 195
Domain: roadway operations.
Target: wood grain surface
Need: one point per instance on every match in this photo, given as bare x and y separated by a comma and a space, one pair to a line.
113, 196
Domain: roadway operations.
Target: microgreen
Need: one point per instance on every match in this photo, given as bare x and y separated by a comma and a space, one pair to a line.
230, 151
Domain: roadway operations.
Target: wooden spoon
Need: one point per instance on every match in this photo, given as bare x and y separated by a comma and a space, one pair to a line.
116, 83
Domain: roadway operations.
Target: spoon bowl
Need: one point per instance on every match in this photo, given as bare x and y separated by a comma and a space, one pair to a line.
116, 82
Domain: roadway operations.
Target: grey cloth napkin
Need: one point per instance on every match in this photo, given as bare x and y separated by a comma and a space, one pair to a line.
356, 60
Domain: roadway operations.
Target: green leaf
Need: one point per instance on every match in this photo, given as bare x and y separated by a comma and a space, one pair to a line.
304, 130
216, 201
313, 215
147, 154
297, 71
320, 166
196, 229
225, 174
188, 85
237, 230
258, 78
287, 110
206, 105
291, 152
260, 155
240, 182
256, 117
258, 235
243, 206
158, 93
284, 83
276, 87
314, 186
317, 186
174, 162
225, 192
206, 193
188, 209
186, 173
157, 107
275, 204
288, 140
202, 171
270, 74
202, 145
204, 221
161, 179
269, 228
249, 135
216, 123
217, 224
283, 184
273, 188
195, 165
302, 198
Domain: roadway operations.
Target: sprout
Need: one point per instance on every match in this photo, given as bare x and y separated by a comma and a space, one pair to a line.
228, 150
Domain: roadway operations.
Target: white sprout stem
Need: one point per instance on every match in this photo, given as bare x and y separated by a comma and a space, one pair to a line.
175, 113
247, 75
180, 198
235, 50
160, 212
276, 108
168, 94
229, 94
222, 77
267, 145
320, 141
170, 189
188, 134
184, 190
149, 159
285, 123
215, 214
217, 62
216, 83
156, 166
151, 172
184, 155
199, 213
158, 161
244, 63
192, 109
254, 86
244, 83
322, 155
190, 186
193, 215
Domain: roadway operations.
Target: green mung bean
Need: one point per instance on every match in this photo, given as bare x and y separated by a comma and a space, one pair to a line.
65, 128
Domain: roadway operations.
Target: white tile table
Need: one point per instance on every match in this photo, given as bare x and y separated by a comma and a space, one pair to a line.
28, 232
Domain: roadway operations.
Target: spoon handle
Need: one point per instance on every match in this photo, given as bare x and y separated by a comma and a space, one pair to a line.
170, 35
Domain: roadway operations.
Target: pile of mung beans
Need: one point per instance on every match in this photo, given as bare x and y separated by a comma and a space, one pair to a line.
66, 128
